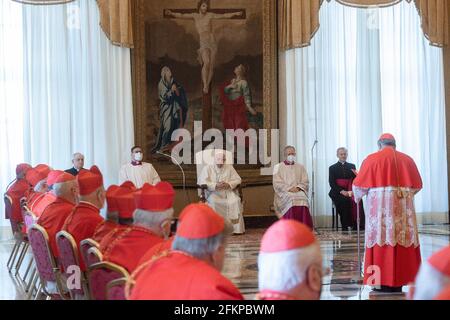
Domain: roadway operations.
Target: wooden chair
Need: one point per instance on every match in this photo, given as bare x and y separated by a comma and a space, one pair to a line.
100, 275
205, 158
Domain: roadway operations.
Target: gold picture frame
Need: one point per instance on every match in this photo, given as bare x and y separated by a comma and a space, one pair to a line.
143, 109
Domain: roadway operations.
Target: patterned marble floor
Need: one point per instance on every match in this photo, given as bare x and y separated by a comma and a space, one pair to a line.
339, 251
340, 256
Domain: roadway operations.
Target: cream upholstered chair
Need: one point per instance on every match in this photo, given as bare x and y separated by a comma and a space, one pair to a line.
205, 158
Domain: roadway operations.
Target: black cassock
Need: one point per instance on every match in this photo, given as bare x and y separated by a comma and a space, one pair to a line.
72, 171
343, 204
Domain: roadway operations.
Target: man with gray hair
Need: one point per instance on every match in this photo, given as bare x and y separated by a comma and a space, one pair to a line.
65, 189
291, 186
221, 179
389, 180
191, 270
289, 263
341, 176
78, 164
151, 226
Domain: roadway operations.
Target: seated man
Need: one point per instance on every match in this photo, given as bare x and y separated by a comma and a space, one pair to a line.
112, 216
42, 201
191, 270
137, 171
45, 169
85, 218
156, 251
152, 222
291, 184
433, 276
37, 178
17, 190
124, 200
222, 180
289, 263
341, 176
78, 164
65, 190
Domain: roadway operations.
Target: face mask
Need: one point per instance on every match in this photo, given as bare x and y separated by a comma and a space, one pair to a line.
291, 158
138, 156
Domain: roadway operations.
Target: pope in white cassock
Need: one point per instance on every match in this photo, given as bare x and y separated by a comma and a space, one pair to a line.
291, 185
137, 171
222, 180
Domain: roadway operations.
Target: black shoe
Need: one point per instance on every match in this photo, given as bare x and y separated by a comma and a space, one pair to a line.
386, 289
382, 289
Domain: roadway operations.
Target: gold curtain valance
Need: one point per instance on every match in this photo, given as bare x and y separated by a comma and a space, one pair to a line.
116, 21
299, 19
369, 3
435, 16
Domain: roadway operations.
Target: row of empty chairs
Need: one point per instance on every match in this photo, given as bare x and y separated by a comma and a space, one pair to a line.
61, 278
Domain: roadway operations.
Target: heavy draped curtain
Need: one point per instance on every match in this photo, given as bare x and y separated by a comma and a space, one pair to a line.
299, 19
64, 88
116, 21
115, 18
381, 76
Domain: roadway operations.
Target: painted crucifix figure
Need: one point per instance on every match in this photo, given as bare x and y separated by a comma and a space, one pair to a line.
203, 17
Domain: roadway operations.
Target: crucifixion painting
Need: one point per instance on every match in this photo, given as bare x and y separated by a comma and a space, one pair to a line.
203, 61
203, 18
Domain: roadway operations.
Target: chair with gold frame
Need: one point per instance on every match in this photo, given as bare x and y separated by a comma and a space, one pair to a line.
68, 259
48, 273
29, 219
85, 245
21, 245
93, 256
115, 290
100, 274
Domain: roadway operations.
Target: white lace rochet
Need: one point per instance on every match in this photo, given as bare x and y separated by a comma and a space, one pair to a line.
390, 216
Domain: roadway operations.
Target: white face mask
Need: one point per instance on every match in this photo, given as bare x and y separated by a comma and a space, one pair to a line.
138, 156
291, 159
